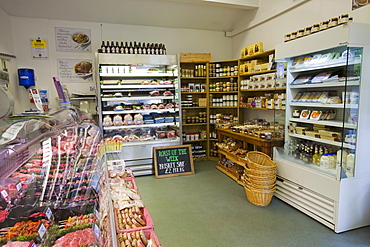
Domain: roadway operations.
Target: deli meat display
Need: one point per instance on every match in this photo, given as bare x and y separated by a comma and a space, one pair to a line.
55, 186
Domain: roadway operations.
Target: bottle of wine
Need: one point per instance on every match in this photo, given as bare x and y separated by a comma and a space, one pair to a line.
102, 47
112, 47
135, 47
122, 48
156, 50
143, 50
126, 48
107, 47
117, 47
164, 50
152, 49
160, 49
139, 48
148, 49
131, 49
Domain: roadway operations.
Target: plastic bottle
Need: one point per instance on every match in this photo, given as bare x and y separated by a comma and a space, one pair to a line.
342, 157
324, 161
316, 157
331, 161
350, 163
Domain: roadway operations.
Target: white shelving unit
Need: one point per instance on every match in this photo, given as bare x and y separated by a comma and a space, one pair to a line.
334, 197
133, 77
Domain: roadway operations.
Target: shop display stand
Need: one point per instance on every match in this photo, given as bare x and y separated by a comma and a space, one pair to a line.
336, 197
129, 80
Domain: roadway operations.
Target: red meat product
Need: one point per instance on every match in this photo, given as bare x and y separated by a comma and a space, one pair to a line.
154, 93
161, 106
3, 214
169, 106
146, 107
17, 244
76, 239
170, 134
167, 93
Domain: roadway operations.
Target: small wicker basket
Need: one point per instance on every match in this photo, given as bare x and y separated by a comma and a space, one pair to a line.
259, 160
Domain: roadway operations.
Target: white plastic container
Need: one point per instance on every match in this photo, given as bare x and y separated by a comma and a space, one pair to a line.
324, 161
342, 157
350, 164
331, 161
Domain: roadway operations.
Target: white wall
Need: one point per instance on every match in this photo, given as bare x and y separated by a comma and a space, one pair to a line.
176, 40
6, 42
272, 31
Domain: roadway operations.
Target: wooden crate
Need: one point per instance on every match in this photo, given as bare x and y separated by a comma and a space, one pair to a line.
195, 57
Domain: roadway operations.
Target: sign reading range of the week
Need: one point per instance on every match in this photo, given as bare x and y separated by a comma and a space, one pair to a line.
172, 161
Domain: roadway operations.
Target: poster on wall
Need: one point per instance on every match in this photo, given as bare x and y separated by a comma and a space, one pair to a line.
359, 3
73, 39
39, 48
75, 70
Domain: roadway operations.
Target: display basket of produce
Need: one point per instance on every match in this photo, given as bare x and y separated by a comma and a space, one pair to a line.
259, 160
259, 197
133, 219
138, 238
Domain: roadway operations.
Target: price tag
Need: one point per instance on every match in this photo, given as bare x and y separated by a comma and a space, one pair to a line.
32, 244
49, 214
41, 230
96, 231
5, 195
19, 186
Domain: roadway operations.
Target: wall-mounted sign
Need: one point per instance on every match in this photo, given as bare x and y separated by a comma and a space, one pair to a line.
73, 39
75, 70
39, 48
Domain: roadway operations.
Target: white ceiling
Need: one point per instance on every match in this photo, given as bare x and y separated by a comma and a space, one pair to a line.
190, 14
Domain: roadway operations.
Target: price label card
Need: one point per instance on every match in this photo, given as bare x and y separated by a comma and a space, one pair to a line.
5, 195
96, 231
41, 230
19, 186
49, 214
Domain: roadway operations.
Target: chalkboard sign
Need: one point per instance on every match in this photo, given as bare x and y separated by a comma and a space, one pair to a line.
170, 161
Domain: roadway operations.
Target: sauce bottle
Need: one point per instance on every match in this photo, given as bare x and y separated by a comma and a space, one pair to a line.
324, 161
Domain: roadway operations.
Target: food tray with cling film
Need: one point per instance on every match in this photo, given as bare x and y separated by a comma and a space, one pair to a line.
146, 217
145, 237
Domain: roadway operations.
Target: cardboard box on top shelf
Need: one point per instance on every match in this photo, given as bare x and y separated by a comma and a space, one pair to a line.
195, 57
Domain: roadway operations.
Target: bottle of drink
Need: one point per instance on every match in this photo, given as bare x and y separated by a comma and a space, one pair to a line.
324, 161
350, 168
143, 50
131, 49
126, 48
152, 49
107, 47
112, 48
122, 48
102, 47
135, 47
139, 49
160, 49
117, 47
342, 158
156, 49
316, 157
164, 50
331, 161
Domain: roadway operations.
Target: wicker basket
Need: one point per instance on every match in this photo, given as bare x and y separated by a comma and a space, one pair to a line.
260, 172
259, 197
262, 177
259, 160
259, 182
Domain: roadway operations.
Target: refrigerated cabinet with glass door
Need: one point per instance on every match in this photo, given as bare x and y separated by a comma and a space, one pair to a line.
323, 169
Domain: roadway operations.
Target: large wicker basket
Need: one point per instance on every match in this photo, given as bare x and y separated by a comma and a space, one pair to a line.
259, 197
258, 160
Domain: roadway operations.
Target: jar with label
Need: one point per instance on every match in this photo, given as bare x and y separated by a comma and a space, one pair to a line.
315, 28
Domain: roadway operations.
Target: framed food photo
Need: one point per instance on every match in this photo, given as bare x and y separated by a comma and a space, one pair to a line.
75, 70
73, 39
359, 3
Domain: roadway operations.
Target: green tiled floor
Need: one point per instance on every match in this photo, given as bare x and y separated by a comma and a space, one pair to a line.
210, 209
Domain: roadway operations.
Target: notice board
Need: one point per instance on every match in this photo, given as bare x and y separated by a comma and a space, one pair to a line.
170, 161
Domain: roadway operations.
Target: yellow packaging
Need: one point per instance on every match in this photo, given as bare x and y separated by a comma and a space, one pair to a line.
258, 47
300, 130
312, 134
250, 50
202, 102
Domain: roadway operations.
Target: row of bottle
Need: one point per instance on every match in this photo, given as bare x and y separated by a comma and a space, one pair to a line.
215, 70
327, 157
133, 48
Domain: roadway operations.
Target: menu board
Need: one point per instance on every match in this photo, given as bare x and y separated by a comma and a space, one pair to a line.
170, 161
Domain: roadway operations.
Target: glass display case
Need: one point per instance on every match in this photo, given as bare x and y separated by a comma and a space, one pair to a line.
322, 168
138, 104
51, 169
